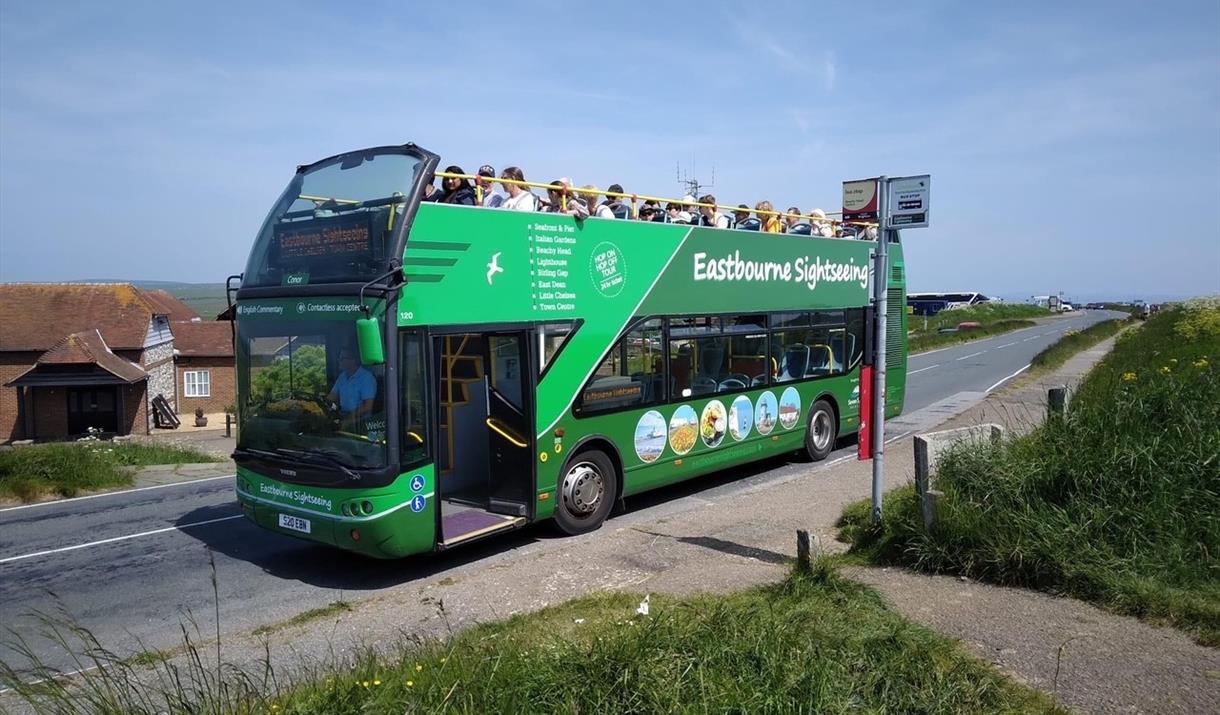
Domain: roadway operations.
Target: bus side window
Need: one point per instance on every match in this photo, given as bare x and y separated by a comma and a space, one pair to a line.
630, 375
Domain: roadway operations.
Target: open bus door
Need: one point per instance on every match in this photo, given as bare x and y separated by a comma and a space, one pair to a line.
485, 393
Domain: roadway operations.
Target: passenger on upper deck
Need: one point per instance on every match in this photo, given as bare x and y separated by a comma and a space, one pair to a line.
821, 225
519, 198
590, 195
654, 208
796, 224
618, 207
676, 213
457, 191
770, 221
491, 198
744, 222
709, 216
561, 199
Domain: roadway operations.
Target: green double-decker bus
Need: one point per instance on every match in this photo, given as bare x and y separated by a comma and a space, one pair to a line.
415, 375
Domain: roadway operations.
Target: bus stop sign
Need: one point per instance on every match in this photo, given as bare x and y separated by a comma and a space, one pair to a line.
908, 201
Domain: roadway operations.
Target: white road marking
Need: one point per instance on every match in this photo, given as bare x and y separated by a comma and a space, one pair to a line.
57, 676
1001, 382
833, 462
1032, 337
912, 372
110, 494
1007, 345
895, 439
966, 357
114, 539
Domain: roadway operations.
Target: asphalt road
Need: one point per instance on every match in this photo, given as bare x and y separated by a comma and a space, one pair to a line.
133, 567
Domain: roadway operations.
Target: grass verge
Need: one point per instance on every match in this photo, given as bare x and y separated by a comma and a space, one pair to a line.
29, 473
993, 318
1115, 502
1075, 341
312, 614
812, 643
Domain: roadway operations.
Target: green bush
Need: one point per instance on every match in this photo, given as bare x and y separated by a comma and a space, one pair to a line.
1117, 501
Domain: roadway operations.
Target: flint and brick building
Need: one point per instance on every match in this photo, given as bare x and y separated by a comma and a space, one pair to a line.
76, 356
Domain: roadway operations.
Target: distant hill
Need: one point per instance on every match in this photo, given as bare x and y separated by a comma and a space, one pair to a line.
206, 299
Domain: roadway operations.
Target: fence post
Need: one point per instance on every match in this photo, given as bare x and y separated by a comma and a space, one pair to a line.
804, 561
228, 425
1056, 401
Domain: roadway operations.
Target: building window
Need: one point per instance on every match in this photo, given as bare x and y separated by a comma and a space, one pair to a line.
198, 383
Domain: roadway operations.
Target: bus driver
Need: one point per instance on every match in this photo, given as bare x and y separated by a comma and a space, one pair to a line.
354, 389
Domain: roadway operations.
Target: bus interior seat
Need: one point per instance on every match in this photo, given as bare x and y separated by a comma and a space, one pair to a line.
758, 380
750, 224
801, 229
733, 383
703, 386
821, 360
711, 358
796, 361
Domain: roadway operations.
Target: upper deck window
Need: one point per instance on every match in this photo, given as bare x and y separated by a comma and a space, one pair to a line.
335, 222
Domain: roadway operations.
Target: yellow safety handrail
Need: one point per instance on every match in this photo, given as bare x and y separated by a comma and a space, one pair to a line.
324, 199
506, 432
481, 180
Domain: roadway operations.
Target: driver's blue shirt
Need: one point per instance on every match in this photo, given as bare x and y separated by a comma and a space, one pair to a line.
355, 389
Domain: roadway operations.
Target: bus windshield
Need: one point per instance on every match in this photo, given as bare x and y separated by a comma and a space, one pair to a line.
306, 391
334, 222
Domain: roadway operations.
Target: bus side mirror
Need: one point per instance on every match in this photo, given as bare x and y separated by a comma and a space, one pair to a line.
368, 337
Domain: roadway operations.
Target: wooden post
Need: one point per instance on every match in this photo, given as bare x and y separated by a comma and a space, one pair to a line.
228, 425
804, 562
1056, 401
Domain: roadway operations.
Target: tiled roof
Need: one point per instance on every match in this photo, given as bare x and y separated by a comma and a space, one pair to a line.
37, 316
203, 339
89, 348
164, 303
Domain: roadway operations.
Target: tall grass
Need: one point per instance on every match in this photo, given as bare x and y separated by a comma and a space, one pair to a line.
812, 643
1075, 341
1116, 502
68, 469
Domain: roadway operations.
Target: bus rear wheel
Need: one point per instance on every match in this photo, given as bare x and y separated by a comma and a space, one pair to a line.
587, 488
823, 431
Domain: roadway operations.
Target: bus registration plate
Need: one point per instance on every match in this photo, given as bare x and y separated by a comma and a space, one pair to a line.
295, 523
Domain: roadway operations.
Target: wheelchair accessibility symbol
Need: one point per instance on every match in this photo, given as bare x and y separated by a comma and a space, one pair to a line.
417, 483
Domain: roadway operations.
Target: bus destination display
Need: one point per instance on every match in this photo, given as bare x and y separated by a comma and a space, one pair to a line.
321, 239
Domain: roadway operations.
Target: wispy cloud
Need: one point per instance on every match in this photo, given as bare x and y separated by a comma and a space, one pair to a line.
764, 40
829, 70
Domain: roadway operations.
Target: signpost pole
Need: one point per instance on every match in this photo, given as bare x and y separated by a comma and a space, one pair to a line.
880, 286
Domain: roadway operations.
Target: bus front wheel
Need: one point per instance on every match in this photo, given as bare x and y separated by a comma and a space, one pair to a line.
587, 488
822, 432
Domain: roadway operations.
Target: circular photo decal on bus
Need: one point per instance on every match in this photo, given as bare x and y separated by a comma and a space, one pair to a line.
766, 411
741, 417
713, 423
789, 408
683, 429
650, 436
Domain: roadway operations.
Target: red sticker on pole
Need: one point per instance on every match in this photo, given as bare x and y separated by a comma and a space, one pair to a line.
864, 450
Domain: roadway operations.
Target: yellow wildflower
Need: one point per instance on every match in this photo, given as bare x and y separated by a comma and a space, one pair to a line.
1129, 377
410, 683
418, 667
1164, 369
1201, 363
364, 683
376, 682
1173, 361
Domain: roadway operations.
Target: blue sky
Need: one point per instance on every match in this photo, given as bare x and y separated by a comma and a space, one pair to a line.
1073, 146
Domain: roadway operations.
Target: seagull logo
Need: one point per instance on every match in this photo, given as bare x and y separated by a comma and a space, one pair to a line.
494, 267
